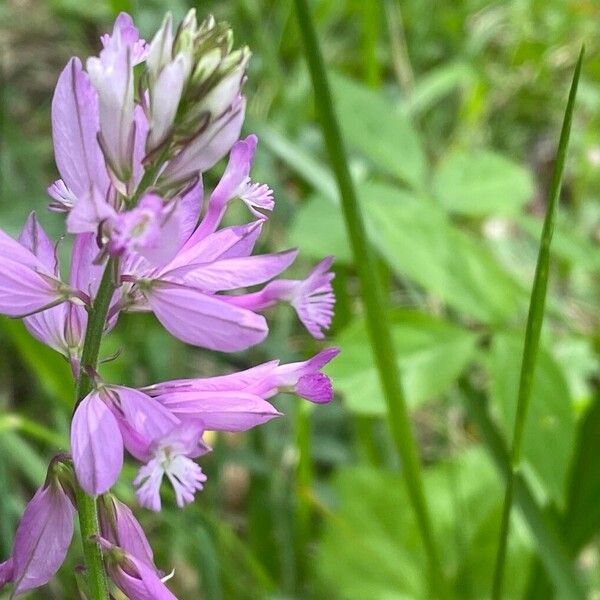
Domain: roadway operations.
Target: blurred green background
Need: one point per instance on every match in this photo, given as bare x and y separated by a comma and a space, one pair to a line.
451, 110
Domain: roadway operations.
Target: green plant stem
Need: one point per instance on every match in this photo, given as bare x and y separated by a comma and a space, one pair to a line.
550, 547
373, 298
532, 332
86, 505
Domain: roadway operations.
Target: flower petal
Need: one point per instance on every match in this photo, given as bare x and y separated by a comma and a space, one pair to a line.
34, 238
233, 273
96, 444
141, 419
203, 320
42, 538
220, 411
75, 125
23, 291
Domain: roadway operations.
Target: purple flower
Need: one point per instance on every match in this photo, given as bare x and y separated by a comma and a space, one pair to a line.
208, 147
151, 229
236, 182
112, 76
62, 327
119, 526
42, 539
134, 577
237, 402
113, 417
75, 127
28, 284
172, 455
168, 72
107, 420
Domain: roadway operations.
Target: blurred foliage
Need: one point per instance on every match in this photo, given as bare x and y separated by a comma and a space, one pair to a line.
451, 111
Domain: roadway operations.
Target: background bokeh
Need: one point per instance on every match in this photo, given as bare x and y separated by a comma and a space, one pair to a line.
451, 111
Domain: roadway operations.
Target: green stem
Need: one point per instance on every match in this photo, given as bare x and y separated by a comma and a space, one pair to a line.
374, 300
532, 332
86, 505
95, 330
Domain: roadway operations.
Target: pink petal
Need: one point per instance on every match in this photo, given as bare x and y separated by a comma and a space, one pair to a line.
232, 382
89, 211
140, 581
42, 539
141, 419
204, 321
17, 252
23, 291
233, 273
220, 411
210, 146
34, 238
139, 144
230, 242
119, 526
96, 444
75, 125
50, 326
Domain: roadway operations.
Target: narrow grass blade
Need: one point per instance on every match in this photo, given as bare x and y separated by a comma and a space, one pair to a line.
553, 554
533, 330
373, 297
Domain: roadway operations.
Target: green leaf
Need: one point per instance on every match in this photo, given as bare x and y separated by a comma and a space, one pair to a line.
49, 367
482, 183
435, 85
420, 243
567, 244
550, 425
370, 546
319, 231
377, 129
582, 517
431, 355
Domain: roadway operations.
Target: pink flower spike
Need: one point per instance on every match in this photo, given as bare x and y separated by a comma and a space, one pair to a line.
96, 445
202, 320
172, 456
75, 126
42, 540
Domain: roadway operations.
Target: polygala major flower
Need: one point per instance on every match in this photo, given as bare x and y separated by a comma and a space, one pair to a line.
135, 129
43, 536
